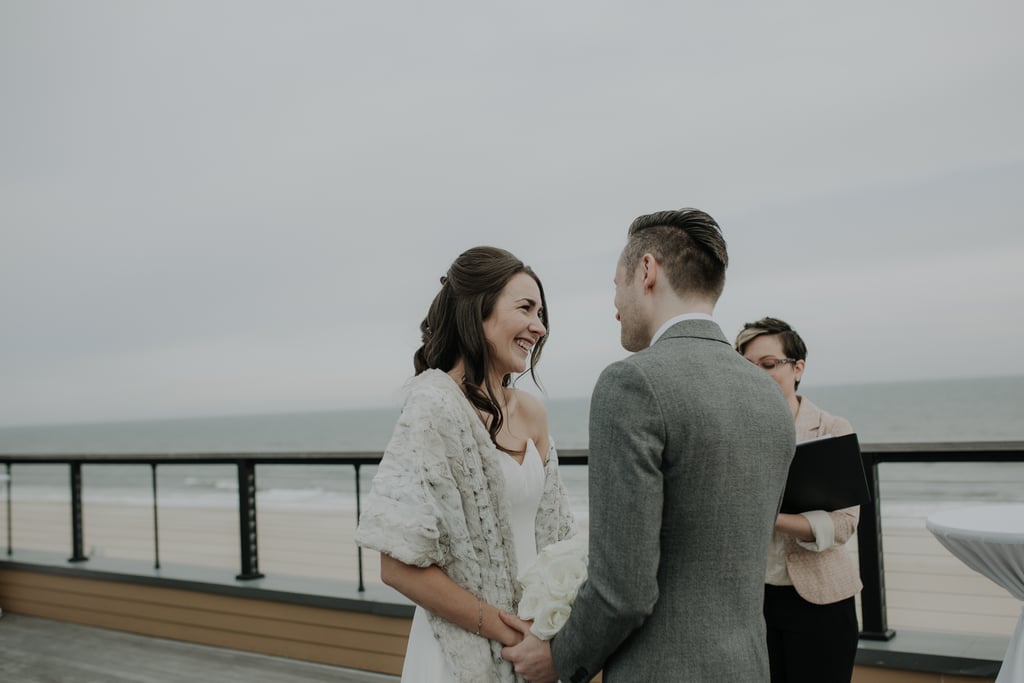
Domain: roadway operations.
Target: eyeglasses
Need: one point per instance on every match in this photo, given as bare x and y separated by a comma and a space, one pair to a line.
772, 363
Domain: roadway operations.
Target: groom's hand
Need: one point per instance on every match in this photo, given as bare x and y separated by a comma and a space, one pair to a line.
532, 657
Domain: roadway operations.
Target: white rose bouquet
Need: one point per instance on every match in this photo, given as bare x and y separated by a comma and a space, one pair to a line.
551, 583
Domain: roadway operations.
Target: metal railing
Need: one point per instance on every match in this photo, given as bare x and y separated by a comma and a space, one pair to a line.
874, 616
245, 464
871, 554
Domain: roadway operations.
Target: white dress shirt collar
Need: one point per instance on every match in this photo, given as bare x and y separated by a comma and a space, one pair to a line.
672, 321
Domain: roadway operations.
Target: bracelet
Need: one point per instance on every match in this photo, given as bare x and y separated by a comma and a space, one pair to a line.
480, 615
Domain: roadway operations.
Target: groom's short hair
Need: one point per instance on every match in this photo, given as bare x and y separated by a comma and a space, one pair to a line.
687, 243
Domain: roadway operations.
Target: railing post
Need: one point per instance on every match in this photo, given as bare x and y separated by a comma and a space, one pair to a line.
359, 548
156, 528
77, 543
10, 526
872, 565
247, 521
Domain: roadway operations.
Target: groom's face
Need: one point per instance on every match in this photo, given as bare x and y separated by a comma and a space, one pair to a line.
633, 333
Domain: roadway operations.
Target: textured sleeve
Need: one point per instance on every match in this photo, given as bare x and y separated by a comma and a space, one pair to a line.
824, 531
555, 521
844, 521
402, 516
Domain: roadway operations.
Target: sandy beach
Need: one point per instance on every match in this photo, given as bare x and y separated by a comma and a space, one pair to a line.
305, 543
927, 588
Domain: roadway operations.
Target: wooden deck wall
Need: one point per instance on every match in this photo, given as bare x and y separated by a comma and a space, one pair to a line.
328, 636
926, 587
867, 674
872, 675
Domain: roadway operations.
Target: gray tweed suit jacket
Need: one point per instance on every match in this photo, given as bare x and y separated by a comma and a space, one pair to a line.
690, 445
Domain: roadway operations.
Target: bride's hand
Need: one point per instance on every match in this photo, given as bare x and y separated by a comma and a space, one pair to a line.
532, 658
503, 633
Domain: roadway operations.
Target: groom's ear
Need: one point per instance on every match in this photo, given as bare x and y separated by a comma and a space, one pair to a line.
649, 271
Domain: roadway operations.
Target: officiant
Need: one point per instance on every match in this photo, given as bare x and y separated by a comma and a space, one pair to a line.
811, 578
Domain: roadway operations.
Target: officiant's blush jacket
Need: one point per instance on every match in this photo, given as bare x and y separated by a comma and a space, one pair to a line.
821, 571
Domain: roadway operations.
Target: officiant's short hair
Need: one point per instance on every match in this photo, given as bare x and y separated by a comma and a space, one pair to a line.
792, 343
687, 243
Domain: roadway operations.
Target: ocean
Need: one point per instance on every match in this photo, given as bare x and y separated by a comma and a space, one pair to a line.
960, 410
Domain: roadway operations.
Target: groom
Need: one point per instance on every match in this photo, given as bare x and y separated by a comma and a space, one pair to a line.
689, 449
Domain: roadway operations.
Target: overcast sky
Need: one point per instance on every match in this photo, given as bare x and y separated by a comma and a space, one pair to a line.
231, 207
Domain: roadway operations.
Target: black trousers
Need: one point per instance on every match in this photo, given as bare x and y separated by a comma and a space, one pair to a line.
809, 643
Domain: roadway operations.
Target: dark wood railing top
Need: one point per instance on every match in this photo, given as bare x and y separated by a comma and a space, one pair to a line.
568, 456
949, 451
888, 452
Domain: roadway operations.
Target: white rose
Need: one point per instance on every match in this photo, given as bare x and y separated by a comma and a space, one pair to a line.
530, 604
551, 583
571, 548
551, 619
563, 579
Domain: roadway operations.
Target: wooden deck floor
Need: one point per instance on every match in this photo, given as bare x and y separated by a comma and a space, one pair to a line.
34, 650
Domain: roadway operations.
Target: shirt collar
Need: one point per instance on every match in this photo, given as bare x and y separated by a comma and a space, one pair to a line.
679, 318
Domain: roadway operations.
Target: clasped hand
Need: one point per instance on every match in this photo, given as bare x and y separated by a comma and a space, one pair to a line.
531, 658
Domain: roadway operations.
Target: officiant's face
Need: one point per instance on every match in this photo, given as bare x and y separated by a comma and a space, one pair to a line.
766, 350
514, 326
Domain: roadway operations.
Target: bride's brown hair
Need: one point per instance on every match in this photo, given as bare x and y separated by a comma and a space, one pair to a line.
454, 326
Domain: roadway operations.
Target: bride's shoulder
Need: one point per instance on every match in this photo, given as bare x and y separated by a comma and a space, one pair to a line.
528, 405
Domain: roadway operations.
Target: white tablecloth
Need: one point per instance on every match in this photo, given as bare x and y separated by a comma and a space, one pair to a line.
990, 540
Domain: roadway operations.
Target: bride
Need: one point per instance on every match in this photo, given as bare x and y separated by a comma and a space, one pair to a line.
468, 488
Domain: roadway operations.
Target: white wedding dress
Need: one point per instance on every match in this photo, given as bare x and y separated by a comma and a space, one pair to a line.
524, 484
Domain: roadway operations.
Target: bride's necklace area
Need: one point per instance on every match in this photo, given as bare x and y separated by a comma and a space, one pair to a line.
507, 403
508, 407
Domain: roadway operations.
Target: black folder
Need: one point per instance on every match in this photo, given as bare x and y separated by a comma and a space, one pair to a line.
826, 474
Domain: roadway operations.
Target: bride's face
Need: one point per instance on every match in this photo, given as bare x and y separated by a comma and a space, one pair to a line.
514, 326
